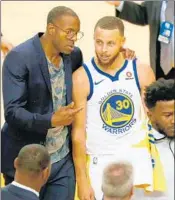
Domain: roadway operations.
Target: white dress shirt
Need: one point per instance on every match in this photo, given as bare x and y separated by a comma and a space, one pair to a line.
25, 188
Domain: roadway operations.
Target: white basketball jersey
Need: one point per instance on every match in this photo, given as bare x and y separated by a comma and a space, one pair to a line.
114, 110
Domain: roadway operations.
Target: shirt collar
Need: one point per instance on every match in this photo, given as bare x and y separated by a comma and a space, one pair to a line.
158, 135
25, 187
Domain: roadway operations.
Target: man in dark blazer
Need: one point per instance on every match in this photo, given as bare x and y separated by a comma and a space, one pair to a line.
32, 171
150, 13
37, 92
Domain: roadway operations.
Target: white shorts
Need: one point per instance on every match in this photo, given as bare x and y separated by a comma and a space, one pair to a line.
140, 159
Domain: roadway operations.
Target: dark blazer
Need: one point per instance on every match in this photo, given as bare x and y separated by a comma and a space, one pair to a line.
148, 13
12, 192
27, 97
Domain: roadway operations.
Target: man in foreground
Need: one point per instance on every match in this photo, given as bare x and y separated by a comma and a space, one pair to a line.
32, 171
117, 181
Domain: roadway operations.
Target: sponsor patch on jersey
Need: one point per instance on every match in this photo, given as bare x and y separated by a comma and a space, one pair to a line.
129, 76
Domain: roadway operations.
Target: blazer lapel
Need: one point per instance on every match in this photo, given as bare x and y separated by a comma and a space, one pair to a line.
45, 71
42, 61
44, 68
68, 77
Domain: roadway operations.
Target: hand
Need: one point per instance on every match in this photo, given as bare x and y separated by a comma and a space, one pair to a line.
85, 192
128, 54
64, 116
114, 3
6, 46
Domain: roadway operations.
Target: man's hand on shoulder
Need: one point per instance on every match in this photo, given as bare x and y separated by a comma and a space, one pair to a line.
128, 53
114, 3
6, 46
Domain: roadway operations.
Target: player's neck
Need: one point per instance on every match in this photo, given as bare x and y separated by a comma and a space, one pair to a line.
51, 53
118, 63
114, 67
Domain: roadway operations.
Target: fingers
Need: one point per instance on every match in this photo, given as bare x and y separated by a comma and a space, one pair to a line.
71, 110
70, 106
115, 3
74, 111
129, 54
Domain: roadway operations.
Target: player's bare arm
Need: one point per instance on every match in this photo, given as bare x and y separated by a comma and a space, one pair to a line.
81, 90
146, 77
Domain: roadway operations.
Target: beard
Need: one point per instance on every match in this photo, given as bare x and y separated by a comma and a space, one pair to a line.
163, 132
109, 62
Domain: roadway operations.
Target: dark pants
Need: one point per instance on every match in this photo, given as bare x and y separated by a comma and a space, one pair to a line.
61, 183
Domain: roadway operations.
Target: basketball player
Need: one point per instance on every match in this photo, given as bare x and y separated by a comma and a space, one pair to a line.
109, 88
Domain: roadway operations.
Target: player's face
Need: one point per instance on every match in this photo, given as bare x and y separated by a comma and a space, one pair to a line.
107, 45
162, 117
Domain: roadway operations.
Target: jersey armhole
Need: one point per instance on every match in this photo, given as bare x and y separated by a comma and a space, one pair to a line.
90, 82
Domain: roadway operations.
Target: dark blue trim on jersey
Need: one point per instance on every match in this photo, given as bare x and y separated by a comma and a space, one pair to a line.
136, 75
152, 142
113, 78
90, 81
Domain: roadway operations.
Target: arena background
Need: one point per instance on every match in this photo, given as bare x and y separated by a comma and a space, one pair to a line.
21, 20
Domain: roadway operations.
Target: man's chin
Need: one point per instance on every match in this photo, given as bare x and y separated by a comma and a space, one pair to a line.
105, 64
67, 52
171, 135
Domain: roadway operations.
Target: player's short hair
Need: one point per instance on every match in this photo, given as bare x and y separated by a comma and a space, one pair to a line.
110, 23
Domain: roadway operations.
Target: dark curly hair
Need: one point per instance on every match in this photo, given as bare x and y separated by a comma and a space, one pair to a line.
160, 90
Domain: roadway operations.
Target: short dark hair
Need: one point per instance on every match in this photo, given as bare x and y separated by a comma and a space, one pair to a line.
160, 90
110, 23
33, 158
60, 11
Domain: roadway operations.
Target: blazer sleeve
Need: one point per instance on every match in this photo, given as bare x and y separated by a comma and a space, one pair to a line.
15, 95
134, 13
